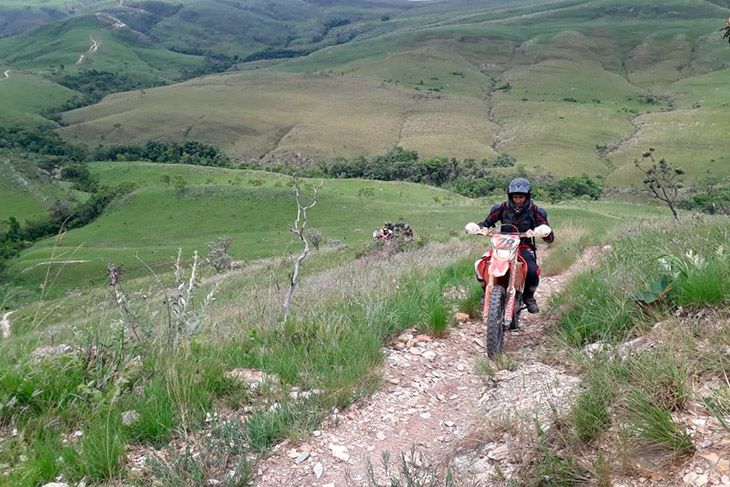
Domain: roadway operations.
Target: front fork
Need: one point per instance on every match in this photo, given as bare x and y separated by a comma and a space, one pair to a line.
510, 307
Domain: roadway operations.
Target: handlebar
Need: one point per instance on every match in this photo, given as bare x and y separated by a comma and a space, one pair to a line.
488, 232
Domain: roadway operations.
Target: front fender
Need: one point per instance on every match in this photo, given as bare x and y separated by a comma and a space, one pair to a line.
498, 268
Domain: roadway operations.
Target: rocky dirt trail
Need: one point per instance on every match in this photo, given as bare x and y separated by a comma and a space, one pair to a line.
435, 396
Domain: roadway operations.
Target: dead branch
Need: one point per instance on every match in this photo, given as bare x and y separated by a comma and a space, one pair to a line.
300, 224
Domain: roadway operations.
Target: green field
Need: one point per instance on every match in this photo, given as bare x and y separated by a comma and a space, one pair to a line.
254, 209
24, 98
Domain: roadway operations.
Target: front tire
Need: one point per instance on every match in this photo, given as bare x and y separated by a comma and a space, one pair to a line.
495, 322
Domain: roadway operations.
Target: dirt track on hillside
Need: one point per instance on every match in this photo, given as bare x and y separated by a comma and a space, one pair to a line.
432, 399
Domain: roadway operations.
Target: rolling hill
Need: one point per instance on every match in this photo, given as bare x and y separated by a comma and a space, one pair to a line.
179, 206
566, 86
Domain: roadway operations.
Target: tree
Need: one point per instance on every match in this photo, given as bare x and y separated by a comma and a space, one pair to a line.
727, 30
298, 229
662, 180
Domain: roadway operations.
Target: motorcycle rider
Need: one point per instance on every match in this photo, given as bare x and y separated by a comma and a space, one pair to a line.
519, 214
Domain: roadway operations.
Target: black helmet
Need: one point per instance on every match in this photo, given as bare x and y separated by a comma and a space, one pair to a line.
519, 186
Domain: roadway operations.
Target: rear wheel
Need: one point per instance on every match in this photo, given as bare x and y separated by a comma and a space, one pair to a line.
495, 322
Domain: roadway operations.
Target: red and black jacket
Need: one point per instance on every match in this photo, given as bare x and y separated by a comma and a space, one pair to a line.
528, 218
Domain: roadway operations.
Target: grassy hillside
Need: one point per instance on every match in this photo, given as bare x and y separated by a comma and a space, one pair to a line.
254, 209
25, 97
560, 86
281, 115
26, 190
345, 312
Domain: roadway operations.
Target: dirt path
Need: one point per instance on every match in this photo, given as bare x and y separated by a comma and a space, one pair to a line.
111, 20
433, 396
5, 324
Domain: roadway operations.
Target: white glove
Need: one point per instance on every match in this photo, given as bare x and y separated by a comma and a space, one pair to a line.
543, 231
472, 228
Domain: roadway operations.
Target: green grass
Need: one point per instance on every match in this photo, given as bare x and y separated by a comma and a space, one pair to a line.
599, 305
652, 427
26, 96
230, 202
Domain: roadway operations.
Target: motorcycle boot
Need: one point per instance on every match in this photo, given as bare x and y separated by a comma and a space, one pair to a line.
532, 306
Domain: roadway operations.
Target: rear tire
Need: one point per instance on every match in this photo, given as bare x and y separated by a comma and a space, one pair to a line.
495, 322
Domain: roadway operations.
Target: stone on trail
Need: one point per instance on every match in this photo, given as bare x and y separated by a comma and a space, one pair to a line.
429, 355
318, 470
252, 378
301, 457
462, 317
340, 452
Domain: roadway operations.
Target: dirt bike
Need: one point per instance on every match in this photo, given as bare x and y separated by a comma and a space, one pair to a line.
504, 271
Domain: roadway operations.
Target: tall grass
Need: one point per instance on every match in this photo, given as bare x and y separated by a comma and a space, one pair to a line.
570, 241
594, 311
102, 448
602, 304
652, 426
332, 343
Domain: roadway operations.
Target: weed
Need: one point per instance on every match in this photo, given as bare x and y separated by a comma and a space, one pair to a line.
483, 366
719, 405
437, 314
265, 428
652, 427
662, 376
219, 455
589, 415
556, 470
102, 448
413, 470
157, 416
504, 361
596, 312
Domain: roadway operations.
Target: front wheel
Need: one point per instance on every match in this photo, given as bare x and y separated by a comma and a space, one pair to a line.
495, 322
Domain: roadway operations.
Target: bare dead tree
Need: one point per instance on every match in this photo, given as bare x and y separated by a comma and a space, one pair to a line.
298, 229
662, 180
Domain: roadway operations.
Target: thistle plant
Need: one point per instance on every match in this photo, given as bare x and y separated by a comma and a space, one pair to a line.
184, 318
